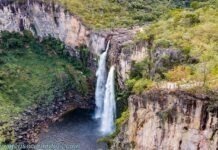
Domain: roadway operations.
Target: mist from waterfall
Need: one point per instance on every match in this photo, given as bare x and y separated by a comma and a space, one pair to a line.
101, 81
109, 108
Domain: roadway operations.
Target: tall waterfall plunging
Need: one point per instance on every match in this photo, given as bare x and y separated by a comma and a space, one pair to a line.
105, 95
109, 109
101, 81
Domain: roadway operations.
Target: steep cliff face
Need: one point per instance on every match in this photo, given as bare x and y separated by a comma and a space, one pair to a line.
124, 51
169, 120
45, 19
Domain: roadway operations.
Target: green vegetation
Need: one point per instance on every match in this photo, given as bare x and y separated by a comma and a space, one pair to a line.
124, 117
121, 101
113, 13
179, 73
139, 85
194, 31
33, 71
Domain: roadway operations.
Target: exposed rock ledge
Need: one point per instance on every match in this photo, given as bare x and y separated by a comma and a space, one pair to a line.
169, 120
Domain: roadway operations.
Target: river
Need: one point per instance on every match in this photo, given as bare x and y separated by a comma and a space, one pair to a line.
77, 130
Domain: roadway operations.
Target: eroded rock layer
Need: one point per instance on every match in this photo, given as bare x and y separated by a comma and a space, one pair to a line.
169, 120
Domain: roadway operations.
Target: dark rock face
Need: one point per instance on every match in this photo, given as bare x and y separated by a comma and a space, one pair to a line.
26, 128
162, 119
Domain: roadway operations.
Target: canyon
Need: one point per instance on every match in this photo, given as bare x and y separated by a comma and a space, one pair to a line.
158, 119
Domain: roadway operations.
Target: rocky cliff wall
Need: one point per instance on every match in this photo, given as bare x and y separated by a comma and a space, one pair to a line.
45, 19
169, 120
123, 51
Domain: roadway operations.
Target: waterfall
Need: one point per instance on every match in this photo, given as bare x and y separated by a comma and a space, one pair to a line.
101, 81
109, 109
105, 95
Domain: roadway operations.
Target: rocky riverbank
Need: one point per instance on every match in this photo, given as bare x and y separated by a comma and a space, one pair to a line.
26, 128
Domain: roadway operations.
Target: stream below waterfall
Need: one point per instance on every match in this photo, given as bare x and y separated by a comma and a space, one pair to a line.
77, 131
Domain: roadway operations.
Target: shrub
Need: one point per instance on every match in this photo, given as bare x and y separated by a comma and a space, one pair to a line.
130, 83
141, 85
122, 101
140, 69
186, 18
119, 122
189, 19
78, 80
28, 36
84, 55
178, 73
143, 17
14, 43
163, 43
11, 40
53, 46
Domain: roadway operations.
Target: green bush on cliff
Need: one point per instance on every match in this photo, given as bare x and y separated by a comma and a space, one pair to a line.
32, 72
179, 73
140, 85
122, 101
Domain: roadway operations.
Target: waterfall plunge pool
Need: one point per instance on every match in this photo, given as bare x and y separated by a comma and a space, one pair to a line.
77, 129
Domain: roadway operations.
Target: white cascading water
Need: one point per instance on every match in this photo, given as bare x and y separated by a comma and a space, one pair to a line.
101, 81
109, 109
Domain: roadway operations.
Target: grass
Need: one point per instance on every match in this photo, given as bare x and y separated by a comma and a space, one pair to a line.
32, 72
